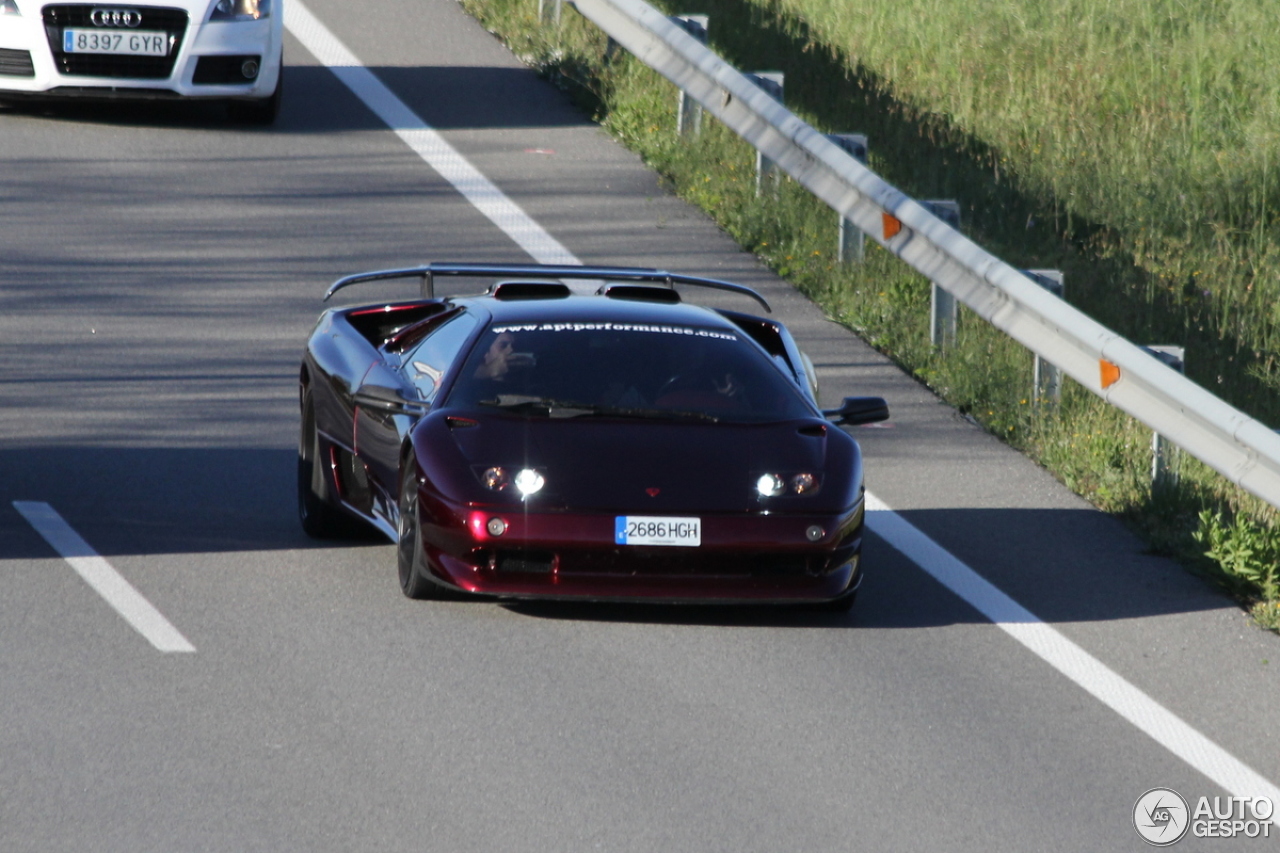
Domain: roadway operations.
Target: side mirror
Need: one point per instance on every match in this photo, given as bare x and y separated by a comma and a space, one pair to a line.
859, 410
388, 399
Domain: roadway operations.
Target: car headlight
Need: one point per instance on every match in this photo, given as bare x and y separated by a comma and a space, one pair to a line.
773, 485
770, 485
802, 484
529, 482
526, 481
9, 7
240, 10
495, 478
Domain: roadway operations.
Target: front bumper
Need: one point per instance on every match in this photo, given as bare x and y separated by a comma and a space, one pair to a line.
743, 558
207, 58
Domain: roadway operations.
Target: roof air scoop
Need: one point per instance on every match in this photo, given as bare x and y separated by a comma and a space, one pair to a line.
642, 292
530, 290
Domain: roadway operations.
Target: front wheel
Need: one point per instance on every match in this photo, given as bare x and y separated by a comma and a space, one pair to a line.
411, 556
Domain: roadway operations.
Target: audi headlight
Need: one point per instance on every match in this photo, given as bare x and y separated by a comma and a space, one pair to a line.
240, 10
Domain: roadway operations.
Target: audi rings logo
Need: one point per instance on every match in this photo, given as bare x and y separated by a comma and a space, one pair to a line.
115, 17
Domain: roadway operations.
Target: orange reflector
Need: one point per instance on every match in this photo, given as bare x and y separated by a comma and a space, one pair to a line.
1110, 373
892, 225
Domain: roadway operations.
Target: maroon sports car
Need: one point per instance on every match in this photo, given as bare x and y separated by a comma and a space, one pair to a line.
602, 441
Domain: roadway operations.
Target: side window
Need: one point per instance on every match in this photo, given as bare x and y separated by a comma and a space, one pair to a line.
429, 362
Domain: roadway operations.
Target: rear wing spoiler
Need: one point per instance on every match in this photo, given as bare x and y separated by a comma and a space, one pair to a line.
428, 273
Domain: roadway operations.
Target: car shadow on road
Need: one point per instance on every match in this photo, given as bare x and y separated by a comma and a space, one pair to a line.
1062, 565
138, 500
316, 101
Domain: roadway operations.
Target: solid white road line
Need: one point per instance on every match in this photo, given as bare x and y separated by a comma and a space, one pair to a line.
1059, 652
99, 574
422, 139
1069, 659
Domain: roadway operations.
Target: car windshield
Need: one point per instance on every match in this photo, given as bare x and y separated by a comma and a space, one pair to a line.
629, 370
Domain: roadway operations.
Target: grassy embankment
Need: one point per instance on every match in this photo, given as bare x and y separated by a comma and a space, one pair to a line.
1131, 144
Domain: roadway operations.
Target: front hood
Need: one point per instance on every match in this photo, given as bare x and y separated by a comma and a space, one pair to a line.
642, 466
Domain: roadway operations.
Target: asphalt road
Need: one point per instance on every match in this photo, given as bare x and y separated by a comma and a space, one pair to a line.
159, 272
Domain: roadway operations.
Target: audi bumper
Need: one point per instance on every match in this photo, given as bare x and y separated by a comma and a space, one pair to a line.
178, 50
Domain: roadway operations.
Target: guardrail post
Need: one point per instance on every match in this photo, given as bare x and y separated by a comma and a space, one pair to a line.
689, 111
1048, 378
943, 311
1164, 455
549, 6
849, 247
772, 83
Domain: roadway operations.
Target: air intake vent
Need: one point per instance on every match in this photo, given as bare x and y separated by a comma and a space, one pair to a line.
530, 290
16, 63
534, 562
215, 70
641, 292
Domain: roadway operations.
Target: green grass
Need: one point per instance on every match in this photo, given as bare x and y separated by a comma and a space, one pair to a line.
1156, 119
1095, 450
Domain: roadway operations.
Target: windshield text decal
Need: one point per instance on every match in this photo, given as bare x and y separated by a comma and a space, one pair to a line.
616, 327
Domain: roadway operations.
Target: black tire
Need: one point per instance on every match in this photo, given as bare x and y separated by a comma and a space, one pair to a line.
411, 558
320, 519
260, 111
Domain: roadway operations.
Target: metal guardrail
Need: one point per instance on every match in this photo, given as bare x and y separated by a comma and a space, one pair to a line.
1125, 375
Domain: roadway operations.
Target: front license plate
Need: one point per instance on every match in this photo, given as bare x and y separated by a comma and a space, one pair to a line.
657, 530
131, 43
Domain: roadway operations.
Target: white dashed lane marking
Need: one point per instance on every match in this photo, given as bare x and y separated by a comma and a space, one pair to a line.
104, 579
423, 139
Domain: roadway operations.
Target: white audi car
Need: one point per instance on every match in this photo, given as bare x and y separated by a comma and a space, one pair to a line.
228, 50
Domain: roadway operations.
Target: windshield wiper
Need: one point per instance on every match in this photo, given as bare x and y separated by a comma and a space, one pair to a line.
537, 405
568, 409
656, 414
